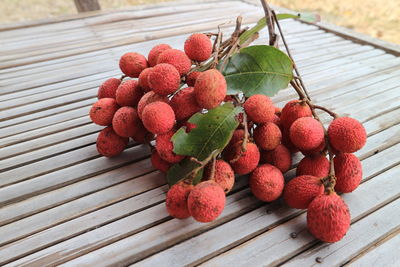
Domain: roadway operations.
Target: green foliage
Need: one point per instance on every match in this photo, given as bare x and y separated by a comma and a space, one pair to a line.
182, 170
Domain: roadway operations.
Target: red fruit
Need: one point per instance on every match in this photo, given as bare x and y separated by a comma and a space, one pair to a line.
158, 117
292, 111
184, 104
278, 111
306, 133
109, 144
318, 151
144, 79
125, 121
210, 89
164, 79
176, 201
223, 174
276, 120
328, 217
158, 163
141, 134
280, 157
347, 135
132, 64
259, 108
176, 58
287, 142
103, 110
148, 98
301, 190
316, 166
107, 89
267, 136
198, 47
128, 93
248, 160
155, 52
206, 201
191, 78
348, 172
165, 148
266, 182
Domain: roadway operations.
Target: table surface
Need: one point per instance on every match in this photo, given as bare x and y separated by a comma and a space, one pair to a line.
62, 203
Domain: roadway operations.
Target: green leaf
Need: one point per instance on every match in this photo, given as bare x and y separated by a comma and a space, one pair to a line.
181, 170
213, 131
258, 69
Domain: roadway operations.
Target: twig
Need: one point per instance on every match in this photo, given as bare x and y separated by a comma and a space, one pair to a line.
270, 24
202, 163
213, 163
333, 114
217, 45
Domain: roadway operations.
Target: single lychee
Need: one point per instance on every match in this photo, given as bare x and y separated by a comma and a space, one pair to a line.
347, 134
128, 93
109, 144
280, 157
108, 88
191, 78
210, 89
155, 52
125, 121
301, 190
287, 142
267, 136
158, 117
176, 202
141, 134
148, 98
266, 182
132, 64
223, 174
348, 172
306, 133
206, 201
103, 110
259, 108
292, 111
198, 47
184, 104
316, 166
144, 79
164, 79
245, 161
176, 58
165, 148
158, 163
328, 217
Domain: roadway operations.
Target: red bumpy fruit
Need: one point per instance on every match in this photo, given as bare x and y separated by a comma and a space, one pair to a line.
164, 79
158, 117
103, 110
266, 182
292, 111
259, 108
184, 104
165, 147
280, 157
128, 93
176, 201
109, 144
301, 190
306, 133
126, 121
176, 58
348, 172
247, 161
198, 47
316, 166
132, 64
223, 174
210, 89
108, 88
267, 136
155, 52
347, 135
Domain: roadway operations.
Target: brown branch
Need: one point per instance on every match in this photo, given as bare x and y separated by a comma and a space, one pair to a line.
270, 23
333, 114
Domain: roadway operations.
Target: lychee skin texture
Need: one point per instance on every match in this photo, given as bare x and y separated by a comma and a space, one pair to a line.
132, 64
280, 157
128, 93
165, 147
267, 136
155, 52
347, 135
176, 201
109, 144
103, 110
266, 182
259, 108
287, 142
108, 88
191, 78
292, 111
125, 121
315, 166
301, 190
144, 79
348, 172
184, 104
141, 134
249, 159
328, 217
158, 163
210, 89
206, 201
164, 79
158, 117
198, 47
176, 58
318, 151
223, 174
148, 98
306, 133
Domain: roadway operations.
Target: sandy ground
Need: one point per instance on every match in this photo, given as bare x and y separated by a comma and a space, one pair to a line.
377, 18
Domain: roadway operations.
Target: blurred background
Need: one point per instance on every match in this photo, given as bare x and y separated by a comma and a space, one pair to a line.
380, 19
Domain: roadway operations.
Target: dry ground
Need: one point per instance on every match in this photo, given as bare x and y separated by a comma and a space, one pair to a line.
377, 18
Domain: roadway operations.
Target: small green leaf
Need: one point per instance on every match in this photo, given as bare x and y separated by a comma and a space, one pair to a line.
181, 170
258, 69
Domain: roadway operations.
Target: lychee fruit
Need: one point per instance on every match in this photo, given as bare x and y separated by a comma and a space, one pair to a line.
347, 135
306, 133
108, 88
184, 104
259, 108
206, 201
148, 98
198, 47
165, 148
319, 150
348, 172
223, 174
158, 163
210, 89
328, 217
132, 64
164, 79
128, 93
266, 182
155, 52
287, 142
109, 144
177, 200
158, 117
144, 79
125, 121
292, 111
141, 134
176, 58
301, 190
316, 166
267, 136
245, 161
192, 77
280, 157
103, 110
